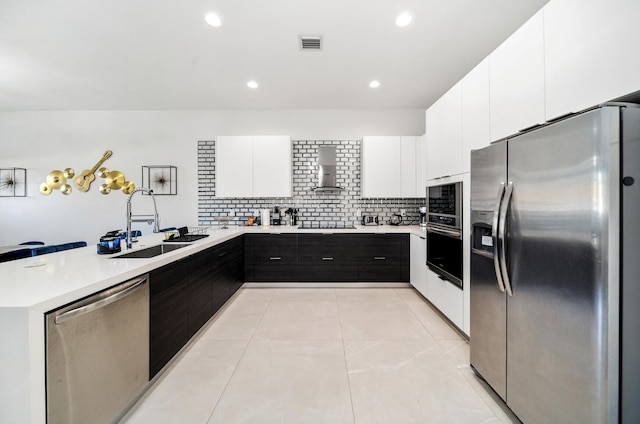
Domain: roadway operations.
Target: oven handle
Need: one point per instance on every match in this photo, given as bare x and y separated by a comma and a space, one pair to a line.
442, 231
502, 238
494, 237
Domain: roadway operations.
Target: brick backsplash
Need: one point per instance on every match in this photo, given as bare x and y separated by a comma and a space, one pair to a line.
321, 208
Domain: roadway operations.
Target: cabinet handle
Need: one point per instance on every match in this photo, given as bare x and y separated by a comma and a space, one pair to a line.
380, 258
327, 259
222, 254
102, 300
275, 258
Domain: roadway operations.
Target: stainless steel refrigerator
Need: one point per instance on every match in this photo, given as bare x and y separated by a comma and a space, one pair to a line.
554, 268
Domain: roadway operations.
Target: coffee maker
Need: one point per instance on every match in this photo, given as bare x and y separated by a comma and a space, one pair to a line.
423, 216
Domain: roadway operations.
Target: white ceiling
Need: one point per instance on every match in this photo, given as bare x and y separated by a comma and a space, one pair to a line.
161, 54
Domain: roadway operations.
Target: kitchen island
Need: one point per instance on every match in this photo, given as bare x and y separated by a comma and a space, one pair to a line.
31, 287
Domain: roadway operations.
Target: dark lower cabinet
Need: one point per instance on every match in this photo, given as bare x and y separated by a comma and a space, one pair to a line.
383, 257
271, 257
330, 257
327, 257
168, 313
200, 286
185, 294
227, 270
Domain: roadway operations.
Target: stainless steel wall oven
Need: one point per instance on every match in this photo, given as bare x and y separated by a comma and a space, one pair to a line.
444, 231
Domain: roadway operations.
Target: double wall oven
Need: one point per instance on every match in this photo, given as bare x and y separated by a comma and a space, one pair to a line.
444, 231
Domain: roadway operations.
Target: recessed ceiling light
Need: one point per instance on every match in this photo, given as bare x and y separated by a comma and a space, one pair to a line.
252, 84
403, 19
213, 20
374, 84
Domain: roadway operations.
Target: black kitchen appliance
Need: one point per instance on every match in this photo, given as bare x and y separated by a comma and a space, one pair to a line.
444, 231
109, 243
396, 219
370, 220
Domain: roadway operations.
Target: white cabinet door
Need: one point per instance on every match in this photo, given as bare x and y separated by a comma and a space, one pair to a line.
446, 297
421, 166
444, 135
381, 166
591, 53
476, 118
451, 149
234, 166
408, 166
418, 266
517, 80
272, 166
434, 140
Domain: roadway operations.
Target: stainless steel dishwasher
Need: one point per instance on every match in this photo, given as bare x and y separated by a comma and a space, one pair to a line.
97, 354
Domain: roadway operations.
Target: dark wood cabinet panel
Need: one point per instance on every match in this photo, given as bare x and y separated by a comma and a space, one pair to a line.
227, 269
330, 257
200, 286
381, 258
168, 320
185, 294
271, 257
327, 257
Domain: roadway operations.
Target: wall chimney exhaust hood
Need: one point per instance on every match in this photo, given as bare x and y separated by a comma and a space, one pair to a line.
327, 169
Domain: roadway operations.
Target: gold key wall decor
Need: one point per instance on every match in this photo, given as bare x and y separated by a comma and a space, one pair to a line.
114, 180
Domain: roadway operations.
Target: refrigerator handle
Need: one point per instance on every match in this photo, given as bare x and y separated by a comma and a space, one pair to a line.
494, 238
502, 237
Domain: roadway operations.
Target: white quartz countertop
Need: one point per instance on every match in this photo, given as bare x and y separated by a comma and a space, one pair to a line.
49, 281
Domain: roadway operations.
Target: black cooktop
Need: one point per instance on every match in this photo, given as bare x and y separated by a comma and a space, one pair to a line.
327, 226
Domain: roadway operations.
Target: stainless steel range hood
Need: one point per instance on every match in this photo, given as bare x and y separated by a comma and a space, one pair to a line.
327, 169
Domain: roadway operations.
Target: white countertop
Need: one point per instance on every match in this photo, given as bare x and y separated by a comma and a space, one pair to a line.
48, 281
33, 286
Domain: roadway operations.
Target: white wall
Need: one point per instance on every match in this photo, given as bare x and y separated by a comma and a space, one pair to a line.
44, 141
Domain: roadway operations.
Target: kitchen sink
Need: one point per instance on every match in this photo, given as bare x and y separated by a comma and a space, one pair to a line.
152, 251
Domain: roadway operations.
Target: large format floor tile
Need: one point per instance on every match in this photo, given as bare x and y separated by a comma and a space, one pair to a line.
377, 314
240, 319
427, 315
288, 382
301, 314
410, 382
190, 389
323, 356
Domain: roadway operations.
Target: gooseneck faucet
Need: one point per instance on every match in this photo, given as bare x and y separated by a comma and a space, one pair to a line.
142, 218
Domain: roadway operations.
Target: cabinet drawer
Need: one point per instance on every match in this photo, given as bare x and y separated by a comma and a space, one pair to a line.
380, 245
268, 248
327, 257
271, 257
383, 257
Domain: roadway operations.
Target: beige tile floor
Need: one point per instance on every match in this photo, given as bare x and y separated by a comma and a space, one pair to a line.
323, 356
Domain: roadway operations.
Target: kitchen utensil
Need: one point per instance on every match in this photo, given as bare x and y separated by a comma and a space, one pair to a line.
396, 219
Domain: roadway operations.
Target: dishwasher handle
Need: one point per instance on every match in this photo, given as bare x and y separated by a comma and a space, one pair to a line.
132, 286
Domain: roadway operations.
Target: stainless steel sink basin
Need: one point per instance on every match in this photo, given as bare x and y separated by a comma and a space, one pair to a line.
152, 251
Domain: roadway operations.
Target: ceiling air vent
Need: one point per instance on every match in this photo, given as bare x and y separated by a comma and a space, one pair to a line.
311, 42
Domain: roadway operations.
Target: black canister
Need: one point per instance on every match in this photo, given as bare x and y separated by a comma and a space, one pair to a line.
109, 243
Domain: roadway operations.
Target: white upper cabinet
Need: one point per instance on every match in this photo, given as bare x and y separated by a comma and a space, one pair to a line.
408, 166
476, 118
272, 176
451, 149
592, 53
434, 140
234, 166
421, 165
253, 166
381, 162
444, 135
517, 80
390, 167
